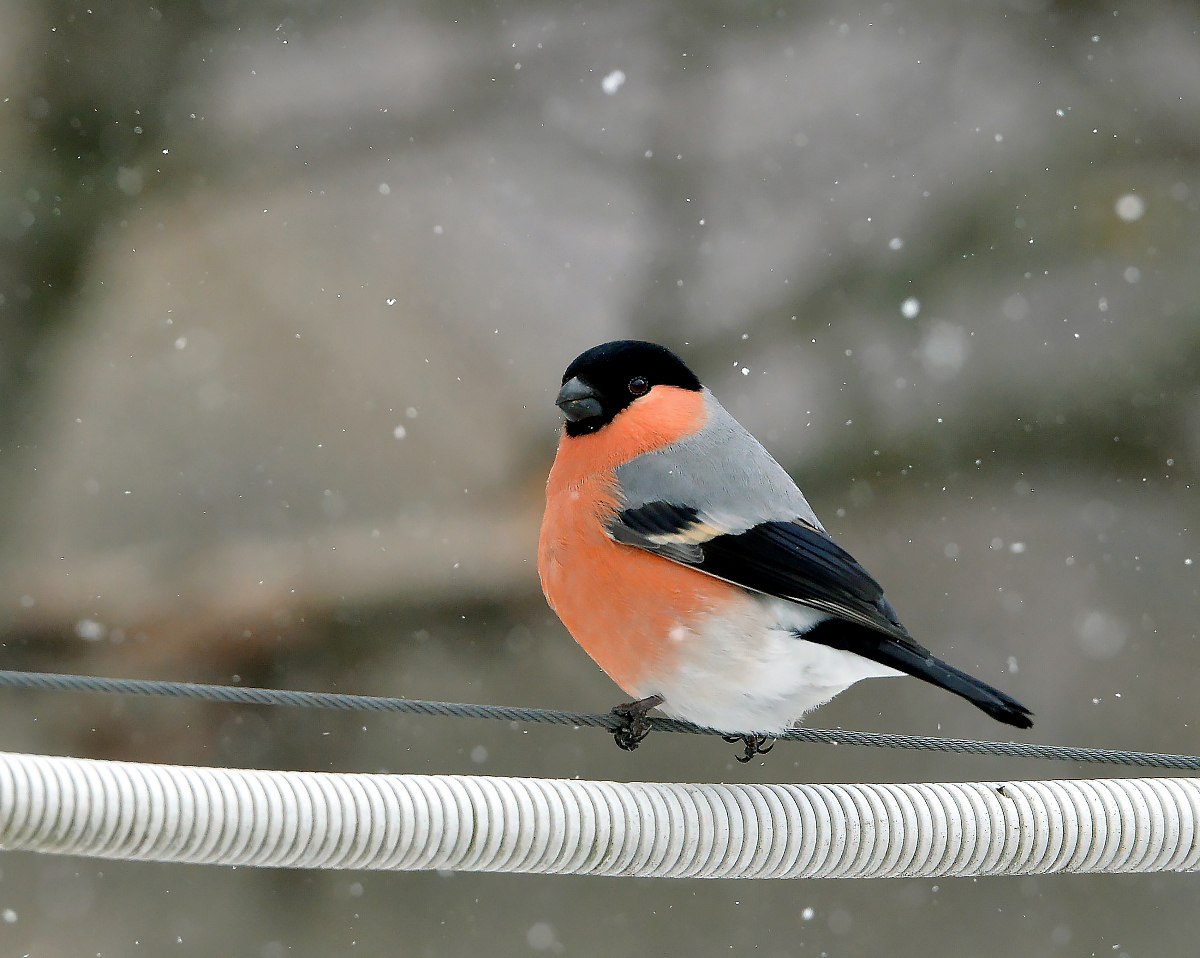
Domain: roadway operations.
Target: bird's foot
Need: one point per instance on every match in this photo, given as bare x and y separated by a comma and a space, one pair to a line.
634, 727
754, 744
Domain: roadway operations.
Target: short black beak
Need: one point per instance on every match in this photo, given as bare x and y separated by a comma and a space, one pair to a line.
578, 400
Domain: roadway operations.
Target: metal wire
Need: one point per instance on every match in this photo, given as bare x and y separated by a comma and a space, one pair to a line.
232, 694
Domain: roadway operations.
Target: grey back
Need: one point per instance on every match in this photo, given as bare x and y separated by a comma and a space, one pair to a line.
721, 471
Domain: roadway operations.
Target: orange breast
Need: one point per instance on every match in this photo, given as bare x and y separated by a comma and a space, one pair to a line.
630, 610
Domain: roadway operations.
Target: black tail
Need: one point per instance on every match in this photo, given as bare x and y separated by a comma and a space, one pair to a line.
1003, 708
902, 653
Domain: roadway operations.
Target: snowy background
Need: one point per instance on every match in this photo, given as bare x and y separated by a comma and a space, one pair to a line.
286, 290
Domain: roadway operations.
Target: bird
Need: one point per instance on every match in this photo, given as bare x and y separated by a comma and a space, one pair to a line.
688, 564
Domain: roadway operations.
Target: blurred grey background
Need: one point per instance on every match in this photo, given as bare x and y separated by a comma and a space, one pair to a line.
286, 290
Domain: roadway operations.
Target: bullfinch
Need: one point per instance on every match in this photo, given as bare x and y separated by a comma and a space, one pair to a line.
689, 566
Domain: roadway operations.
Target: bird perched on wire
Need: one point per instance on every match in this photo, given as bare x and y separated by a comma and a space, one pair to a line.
689, 566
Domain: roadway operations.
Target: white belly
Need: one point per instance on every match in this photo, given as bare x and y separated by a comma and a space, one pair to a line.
748, 672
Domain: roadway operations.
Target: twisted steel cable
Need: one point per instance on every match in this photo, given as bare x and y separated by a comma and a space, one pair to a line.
241, 695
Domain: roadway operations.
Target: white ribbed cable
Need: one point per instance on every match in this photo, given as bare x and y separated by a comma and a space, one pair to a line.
551, 826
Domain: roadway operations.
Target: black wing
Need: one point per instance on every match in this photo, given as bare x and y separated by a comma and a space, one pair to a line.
789, 560
795, 561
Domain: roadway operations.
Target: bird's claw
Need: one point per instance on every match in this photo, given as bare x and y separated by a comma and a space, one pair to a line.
754, 745
634, 725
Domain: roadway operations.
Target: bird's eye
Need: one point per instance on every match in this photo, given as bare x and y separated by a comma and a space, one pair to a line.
639, 386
